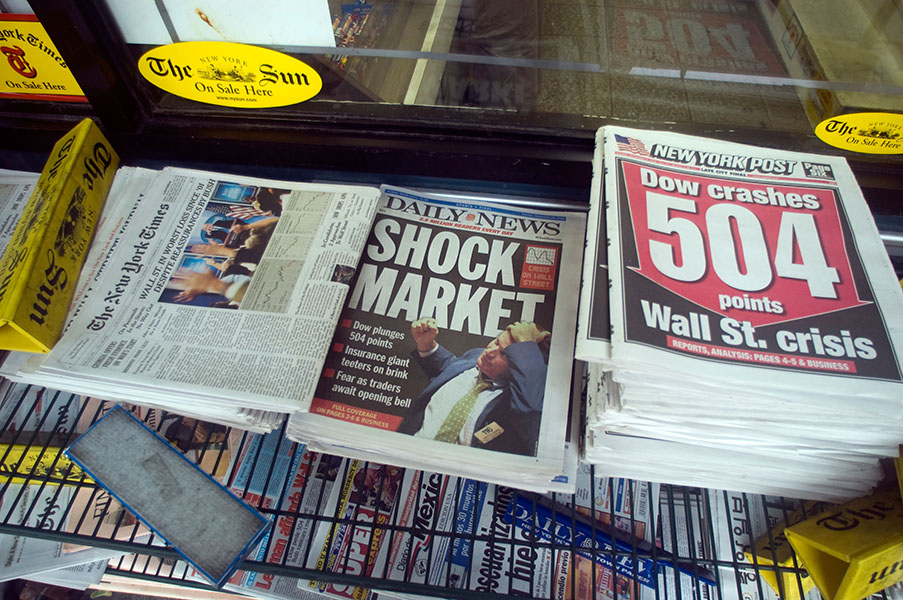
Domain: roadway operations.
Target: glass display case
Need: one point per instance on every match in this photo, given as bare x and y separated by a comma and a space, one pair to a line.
508, 91
498, 97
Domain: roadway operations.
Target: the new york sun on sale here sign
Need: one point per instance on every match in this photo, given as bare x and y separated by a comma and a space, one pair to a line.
736, 257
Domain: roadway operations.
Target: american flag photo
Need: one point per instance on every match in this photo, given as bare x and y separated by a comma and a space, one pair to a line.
631, 145
243, 211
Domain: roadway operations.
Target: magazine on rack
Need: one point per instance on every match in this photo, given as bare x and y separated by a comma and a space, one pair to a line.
460, 533
211, 295
37, 501
455, 349
749, 292
710, 525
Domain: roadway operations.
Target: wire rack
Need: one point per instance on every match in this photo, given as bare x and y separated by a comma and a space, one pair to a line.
687, 542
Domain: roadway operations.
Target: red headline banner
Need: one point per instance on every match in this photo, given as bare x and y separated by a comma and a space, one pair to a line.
353, 414
765, 358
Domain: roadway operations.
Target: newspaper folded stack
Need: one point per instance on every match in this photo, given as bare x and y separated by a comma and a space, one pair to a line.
455, 350
210, 295
755, 320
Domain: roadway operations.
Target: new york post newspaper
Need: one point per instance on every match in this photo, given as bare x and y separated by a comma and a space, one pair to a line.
754, 311
454, 351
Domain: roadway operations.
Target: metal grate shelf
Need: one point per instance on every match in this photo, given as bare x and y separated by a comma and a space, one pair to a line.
690, 540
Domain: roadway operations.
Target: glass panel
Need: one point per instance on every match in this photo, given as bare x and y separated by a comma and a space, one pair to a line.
778, 65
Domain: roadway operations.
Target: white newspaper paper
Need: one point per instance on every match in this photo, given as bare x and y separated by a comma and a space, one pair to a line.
215, 291
471, 282
749, 268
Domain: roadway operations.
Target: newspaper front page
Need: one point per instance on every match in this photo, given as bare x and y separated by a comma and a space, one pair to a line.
455, 299
215, 290
763, 266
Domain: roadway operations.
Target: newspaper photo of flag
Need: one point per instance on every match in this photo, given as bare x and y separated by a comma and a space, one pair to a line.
631, 145
244, 212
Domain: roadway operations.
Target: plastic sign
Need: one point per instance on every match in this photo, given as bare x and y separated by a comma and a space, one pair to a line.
229, 74
853, 550
869, 133
30, 65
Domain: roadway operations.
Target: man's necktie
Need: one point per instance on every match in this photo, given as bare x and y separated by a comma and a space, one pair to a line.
451, 427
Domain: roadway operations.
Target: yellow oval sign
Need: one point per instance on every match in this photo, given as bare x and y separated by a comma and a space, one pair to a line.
871, 133
229, 74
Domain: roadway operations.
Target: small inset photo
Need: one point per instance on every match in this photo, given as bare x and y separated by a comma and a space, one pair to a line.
343, 274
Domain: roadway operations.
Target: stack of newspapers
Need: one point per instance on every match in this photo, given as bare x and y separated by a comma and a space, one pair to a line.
455, 350
210, 295
741, 320
223, 298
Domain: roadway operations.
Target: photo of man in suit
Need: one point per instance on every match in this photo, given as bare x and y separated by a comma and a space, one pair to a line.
488, 397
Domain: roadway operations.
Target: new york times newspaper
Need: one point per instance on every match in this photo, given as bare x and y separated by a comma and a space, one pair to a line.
216, 292
739, 263
454, 298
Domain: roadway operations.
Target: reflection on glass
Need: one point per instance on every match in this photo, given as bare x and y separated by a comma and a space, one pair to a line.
777, 64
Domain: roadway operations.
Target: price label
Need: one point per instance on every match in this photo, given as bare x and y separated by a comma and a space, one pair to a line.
763, 253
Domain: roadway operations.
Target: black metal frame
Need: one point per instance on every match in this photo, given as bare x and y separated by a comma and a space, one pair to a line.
174, 570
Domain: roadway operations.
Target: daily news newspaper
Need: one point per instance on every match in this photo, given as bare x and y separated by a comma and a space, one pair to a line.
764, 266
443, 285
214, 291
